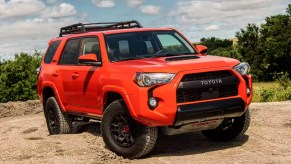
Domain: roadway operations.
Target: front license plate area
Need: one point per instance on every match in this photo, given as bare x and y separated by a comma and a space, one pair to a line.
209, 95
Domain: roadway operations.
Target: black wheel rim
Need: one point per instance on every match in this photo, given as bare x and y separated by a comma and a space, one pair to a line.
52, 119
123, 130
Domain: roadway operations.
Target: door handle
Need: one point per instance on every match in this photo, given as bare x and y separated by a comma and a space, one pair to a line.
75, 75
55, 74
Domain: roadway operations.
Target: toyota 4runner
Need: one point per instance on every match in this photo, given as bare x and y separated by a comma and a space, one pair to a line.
140, 82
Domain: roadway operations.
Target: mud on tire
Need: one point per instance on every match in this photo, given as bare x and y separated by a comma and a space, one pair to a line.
125, 136
230, 129
57, 121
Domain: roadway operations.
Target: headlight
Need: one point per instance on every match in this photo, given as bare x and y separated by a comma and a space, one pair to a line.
243, 68
151, 79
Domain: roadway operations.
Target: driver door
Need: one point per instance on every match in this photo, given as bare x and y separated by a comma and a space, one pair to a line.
86, 81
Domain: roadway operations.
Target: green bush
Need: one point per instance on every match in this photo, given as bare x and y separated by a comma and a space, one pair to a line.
283, 79
270, 92
18, 77
267, 95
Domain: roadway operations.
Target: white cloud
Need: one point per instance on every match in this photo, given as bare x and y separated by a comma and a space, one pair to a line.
62, 10
30, 34
52, 1
134, 3
149, 9
232, 13
33, 28
20, 8
196, 18
28, 25
111, 3
27, 8
212, 28
104, 3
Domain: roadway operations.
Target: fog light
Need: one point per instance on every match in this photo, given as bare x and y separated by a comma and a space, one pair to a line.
153, 102
248, 91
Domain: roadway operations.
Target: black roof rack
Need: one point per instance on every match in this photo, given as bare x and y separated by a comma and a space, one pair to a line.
81, 28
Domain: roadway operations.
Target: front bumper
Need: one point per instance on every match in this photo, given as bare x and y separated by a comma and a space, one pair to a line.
170, 112
207, 111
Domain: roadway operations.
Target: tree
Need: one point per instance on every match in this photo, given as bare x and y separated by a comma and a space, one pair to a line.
230, 52
267, 48
276, 43
214, 43
221, 47
249, 48
288, 11
18, 77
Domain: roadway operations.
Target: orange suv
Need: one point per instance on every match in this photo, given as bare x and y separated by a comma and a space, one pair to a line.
140, 82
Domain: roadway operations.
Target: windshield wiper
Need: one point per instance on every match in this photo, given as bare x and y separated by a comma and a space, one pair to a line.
161, 54
161, 51
165, 55
173, 54
186, 53
129, 58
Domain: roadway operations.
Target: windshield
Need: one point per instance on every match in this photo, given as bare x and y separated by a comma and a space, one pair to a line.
138, 45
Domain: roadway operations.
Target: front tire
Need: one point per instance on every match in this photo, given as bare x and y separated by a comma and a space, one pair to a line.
125, 136
57, 121
230, 129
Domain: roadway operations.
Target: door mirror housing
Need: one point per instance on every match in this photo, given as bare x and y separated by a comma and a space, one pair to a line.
89, 59
201, 49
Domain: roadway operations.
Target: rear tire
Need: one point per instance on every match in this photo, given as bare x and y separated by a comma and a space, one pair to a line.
230, 129
125, 136
57, 121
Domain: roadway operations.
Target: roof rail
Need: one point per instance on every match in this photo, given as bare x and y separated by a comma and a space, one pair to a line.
102, 26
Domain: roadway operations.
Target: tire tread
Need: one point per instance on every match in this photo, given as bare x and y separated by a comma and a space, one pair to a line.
148, 135
65, 122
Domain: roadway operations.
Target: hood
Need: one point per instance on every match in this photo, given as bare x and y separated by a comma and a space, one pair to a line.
175, 66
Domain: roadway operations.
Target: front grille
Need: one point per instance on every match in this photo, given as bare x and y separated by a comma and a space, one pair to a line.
206, 75
207, 92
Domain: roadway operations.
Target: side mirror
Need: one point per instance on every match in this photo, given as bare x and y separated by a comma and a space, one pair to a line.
89, 59
201, 49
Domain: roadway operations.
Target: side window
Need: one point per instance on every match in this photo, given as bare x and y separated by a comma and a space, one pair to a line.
50, 53
91, 46
71, 52
171, 43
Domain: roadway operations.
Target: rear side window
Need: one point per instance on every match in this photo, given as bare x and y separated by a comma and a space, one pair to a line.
71, 52
50, 53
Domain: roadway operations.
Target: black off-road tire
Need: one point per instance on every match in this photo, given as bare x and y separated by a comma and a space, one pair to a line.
230, 129
134, 141
57, 121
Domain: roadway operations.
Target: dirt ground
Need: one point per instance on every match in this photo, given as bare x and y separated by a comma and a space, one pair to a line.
24, 139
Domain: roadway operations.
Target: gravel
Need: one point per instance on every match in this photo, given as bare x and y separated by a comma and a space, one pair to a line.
24, 139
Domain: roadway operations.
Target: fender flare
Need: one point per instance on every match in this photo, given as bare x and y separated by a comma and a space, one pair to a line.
53, 87
124, 95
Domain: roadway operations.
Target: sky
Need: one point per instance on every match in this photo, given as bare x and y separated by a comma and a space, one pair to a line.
28, 25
